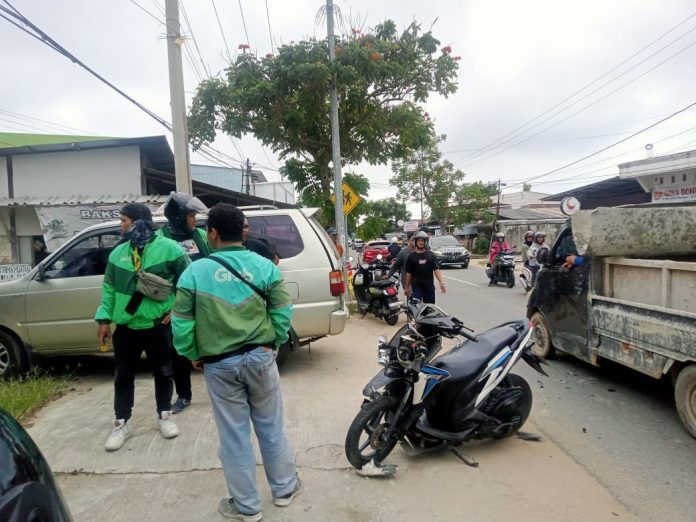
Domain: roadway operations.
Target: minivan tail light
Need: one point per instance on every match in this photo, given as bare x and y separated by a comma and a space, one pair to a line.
336, 283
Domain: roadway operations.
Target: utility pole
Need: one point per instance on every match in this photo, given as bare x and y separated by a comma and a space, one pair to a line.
182, 164
497, 210
336, 143
248, 176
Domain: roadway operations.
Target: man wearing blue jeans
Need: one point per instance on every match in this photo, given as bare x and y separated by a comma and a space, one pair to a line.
230, 315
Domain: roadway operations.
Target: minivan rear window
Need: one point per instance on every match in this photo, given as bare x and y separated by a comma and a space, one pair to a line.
278, 232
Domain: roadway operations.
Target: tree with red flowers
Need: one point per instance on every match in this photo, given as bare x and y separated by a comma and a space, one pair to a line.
383, 79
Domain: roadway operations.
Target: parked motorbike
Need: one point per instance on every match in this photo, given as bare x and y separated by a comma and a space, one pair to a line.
426, 401
375, 294
505, 272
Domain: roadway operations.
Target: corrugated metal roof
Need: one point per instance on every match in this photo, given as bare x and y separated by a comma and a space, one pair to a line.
523, 213
79, 199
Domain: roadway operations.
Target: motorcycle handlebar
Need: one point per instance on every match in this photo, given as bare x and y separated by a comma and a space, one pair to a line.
462, 332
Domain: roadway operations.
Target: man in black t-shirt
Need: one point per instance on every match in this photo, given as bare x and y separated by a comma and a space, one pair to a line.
420, 267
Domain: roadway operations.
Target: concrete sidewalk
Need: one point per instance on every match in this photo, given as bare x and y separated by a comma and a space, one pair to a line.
154, 479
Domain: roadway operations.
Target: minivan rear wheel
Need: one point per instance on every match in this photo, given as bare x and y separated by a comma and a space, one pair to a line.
12, 358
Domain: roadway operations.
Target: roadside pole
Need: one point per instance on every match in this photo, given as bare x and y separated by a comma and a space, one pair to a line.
336, 146
182, 164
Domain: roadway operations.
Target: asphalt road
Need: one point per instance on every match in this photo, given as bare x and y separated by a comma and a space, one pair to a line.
620, 425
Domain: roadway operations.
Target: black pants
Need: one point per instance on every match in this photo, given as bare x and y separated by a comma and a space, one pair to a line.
182, 375
128, 346
424, 293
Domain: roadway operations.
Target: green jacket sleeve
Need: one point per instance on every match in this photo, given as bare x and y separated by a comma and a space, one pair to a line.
105, 310
279, 308
184, 323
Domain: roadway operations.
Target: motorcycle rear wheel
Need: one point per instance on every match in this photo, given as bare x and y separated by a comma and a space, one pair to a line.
364, 442
391, 320
517, 381
510, 279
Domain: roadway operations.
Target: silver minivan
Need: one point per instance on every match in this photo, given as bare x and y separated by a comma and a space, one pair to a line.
50, 310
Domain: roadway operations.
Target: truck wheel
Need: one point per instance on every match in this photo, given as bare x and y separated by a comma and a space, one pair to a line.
541, 337
12, 356
685, 398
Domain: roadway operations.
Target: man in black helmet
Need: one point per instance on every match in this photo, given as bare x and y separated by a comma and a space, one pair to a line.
180, 209
420, 268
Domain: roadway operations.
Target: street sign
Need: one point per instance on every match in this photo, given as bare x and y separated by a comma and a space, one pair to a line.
350, 199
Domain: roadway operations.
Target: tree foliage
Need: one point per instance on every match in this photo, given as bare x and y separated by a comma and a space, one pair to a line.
382, 217
424, 176
382, 78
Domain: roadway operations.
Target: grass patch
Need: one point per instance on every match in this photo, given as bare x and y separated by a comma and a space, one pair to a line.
22, 396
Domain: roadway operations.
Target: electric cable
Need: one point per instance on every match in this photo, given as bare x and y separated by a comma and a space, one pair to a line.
149, 13
246, 33
270, 33
222, 32
206, 70
571, 96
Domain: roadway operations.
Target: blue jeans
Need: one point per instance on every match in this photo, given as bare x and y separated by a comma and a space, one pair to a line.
245, 388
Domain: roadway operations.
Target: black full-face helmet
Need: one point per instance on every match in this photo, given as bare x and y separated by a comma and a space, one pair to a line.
178, 206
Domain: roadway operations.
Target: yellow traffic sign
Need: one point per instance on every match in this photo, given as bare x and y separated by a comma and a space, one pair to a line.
350, 199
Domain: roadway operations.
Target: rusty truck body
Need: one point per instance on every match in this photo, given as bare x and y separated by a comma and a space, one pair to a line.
632, 301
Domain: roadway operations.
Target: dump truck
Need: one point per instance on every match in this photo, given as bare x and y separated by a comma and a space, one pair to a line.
633, 300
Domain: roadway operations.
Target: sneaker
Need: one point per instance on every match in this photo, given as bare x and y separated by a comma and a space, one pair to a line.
122, 430
180, 404
166, 425
227, 509
285, 500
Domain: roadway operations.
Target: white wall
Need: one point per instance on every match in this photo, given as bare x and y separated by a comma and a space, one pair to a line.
89, 173
281, 191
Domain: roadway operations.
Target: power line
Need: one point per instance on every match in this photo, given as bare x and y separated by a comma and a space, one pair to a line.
222, 32
562, 102
58, 126
206, 70
595, 102
270, 33
609, 146
149, 13
246, 33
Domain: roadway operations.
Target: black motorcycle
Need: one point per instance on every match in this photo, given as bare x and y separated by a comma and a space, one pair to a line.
375, 294
505, 272
423, 401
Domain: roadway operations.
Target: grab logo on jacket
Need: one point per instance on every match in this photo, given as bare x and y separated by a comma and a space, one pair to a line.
222, 275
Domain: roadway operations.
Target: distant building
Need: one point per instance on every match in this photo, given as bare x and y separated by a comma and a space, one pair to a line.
53, 186
666, 179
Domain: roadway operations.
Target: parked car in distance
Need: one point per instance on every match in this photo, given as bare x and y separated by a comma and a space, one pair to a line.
28, 490
50, 310
372, 248
449, 251
358, 244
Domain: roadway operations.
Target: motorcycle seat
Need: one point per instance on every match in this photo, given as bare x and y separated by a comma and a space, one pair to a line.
468, 359
381, 283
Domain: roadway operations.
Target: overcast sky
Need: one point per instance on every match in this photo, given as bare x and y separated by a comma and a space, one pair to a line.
519, 59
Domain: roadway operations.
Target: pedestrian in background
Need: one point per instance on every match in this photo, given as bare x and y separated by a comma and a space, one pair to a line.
421, 266
141, 312
181, 210
399, 263
231, 314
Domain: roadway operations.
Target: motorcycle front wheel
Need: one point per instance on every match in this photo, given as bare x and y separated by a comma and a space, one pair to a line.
365, 440
510, 279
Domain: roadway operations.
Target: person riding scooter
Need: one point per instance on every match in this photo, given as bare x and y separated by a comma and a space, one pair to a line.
533, 253
498, 245
528, 240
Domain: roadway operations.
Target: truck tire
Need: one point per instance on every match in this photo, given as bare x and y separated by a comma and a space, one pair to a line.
543, 347
12, 356
685, 398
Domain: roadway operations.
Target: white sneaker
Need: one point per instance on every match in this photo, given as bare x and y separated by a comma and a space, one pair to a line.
166, 425
122, 430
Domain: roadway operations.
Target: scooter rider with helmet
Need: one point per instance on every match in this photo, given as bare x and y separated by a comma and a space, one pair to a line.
180, 210
497, 246
533, 253
528, 240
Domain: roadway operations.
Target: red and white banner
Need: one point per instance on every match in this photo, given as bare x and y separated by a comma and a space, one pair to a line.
674, 194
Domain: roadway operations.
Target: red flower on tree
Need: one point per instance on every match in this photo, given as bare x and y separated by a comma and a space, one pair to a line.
243, 46
375, 56
447, 49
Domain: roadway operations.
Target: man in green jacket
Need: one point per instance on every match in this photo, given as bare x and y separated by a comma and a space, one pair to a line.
142, 322
231, 313
181, 209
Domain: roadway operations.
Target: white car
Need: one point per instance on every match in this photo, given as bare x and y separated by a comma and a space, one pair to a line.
50, 311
